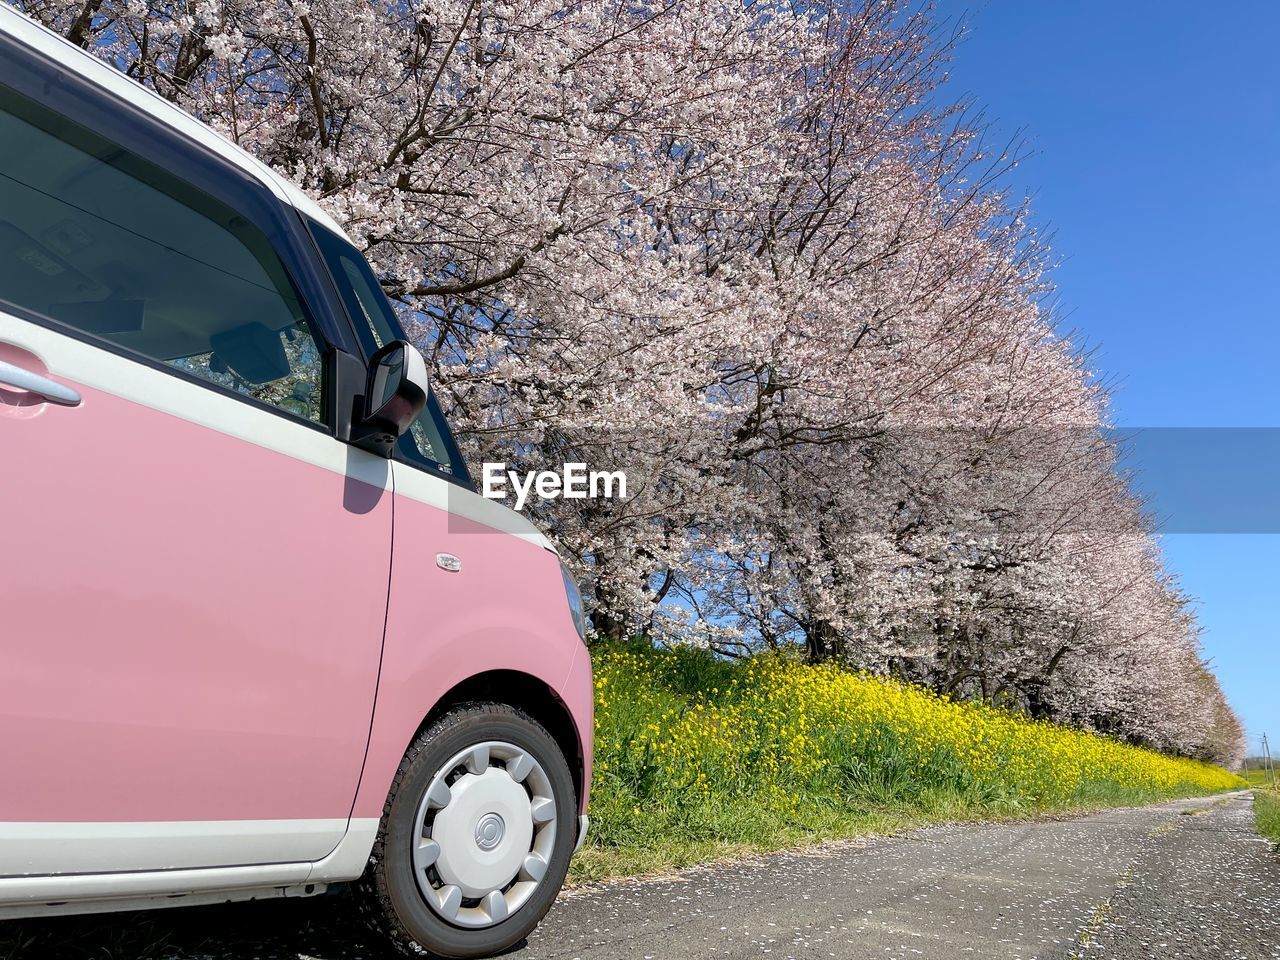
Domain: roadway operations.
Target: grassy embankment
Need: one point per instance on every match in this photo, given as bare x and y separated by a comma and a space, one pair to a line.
698, 758
1266, 806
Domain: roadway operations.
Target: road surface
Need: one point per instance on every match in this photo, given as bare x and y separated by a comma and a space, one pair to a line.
1189, 879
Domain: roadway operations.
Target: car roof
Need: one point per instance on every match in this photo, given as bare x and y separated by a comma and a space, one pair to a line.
67, 55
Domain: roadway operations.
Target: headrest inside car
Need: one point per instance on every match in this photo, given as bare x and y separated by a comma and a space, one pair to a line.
252, 351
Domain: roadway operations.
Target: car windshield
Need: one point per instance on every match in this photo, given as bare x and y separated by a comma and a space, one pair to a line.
428, 442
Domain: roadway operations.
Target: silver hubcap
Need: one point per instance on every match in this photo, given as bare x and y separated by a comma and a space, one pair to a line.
486, 828
489, 831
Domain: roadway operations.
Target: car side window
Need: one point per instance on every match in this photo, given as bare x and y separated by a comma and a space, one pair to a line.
102, 241
376, 326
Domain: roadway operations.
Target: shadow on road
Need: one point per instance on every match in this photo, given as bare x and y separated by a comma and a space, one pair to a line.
319, 928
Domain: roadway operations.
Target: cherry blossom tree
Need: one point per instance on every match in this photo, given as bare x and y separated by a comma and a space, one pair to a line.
753, 255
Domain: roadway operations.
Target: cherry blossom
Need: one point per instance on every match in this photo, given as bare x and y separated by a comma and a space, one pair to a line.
754, 256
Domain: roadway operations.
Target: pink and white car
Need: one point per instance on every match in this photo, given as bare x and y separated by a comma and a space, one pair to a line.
258, 634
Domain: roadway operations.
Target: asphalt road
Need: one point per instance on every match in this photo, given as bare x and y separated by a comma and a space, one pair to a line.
1184, 880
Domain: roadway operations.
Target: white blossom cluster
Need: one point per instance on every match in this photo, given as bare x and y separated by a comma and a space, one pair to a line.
752, 255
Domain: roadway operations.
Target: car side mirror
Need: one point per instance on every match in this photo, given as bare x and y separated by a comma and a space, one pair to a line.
394, 396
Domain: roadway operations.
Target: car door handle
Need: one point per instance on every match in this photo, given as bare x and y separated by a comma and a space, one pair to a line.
15, 376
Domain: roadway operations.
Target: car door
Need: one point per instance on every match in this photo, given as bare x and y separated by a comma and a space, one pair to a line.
193, 570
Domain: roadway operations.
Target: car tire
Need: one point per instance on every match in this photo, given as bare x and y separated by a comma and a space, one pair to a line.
441, 909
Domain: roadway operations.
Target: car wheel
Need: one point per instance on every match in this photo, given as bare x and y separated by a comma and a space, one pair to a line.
476, 835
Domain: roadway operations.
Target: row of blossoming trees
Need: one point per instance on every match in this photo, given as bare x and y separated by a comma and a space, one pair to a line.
753, 255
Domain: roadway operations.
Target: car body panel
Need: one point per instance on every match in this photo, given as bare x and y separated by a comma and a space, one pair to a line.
173, 650
505, 609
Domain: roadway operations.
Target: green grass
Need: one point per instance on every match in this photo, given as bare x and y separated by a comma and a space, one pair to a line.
1260, 778
699, 758
1266, 809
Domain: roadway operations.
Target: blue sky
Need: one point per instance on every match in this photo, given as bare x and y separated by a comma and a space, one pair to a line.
1154, 129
